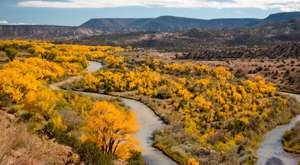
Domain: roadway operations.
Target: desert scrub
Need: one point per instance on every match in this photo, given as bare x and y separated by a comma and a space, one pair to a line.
291, 139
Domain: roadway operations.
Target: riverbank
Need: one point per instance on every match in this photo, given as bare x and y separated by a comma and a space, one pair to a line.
147, 119
271, 149
151, 154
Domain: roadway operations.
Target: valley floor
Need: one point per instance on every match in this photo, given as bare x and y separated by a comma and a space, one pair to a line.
285, 73
214, 112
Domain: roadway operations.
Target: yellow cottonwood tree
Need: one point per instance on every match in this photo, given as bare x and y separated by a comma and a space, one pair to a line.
15, 85
41, 106
39, 68
112, 129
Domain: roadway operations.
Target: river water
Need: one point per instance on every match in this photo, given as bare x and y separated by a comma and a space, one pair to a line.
147, 119
271, 151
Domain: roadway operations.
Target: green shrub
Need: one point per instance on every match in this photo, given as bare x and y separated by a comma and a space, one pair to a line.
11, 53
291, 139
136, 159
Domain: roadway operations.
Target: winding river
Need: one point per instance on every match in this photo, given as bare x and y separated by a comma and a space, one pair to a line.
147, 119
271, 150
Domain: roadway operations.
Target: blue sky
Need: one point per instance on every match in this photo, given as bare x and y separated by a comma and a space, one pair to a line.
75, 12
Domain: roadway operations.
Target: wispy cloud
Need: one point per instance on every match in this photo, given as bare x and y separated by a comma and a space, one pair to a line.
3, 22
283, 5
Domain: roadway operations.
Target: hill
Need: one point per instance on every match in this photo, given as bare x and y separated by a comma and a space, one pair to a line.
269, 40
106, 24
279, 17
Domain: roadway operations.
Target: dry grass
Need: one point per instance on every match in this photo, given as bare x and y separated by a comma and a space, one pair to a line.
18, 146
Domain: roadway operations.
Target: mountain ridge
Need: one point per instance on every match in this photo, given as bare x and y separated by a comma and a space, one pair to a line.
132, 25
173, 23
264, 35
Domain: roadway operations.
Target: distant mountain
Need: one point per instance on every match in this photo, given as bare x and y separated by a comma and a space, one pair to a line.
45, 32
264, 35
279, 17
173, 24
112, 25
281, 40
161, 24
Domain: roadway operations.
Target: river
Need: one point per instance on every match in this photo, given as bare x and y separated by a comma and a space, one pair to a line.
271, 151
147, 119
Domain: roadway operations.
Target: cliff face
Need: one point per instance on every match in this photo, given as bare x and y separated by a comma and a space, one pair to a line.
44, 32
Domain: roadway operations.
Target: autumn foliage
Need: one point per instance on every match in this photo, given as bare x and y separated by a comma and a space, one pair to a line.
107, 127
214, 117
222, 112
291, 139
18, 78
112, 128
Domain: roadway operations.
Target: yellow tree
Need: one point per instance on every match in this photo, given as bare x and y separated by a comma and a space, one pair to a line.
90, 82
111, 128
15, 85
41, 106
39, 68
192, 161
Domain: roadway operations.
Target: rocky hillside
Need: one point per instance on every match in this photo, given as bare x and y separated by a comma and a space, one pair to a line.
21, 146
